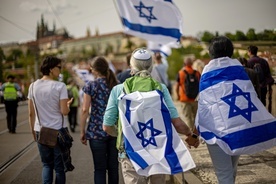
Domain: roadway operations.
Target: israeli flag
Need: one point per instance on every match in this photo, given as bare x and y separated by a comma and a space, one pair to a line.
159, 21
151, 142
229, 111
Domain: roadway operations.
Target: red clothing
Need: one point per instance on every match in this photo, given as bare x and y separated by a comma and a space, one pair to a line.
181, 82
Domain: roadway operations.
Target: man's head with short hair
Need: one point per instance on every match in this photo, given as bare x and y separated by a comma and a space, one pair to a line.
158, 56
48, 63
10, 77
253, 50
188, 61
221, 46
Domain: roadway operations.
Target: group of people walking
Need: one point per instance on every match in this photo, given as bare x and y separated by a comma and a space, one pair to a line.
100, 120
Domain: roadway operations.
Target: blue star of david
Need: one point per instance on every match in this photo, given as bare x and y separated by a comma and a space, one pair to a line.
235, 110
154, 132
145, 15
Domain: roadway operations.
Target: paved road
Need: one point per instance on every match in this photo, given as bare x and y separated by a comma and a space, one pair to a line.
258, 168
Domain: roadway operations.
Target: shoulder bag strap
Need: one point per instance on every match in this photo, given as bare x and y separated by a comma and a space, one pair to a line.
35, 104
37, 111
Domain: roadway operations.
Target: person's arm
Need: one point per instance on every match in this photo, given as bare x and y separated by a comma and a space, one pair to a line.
181, 126
65, 106
178, 123
111, 113
31, 117
64, 102
84, 115
110, 130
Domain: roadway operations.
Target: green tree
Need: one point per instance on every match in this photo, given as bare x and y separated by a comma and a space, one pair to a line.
240, 36
251, 35
268, 35
230, 36
207, 36
14, 54
130, 44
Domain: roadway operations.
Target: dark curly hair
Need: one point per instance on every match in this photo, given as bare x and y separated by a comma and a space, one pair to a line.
48, 63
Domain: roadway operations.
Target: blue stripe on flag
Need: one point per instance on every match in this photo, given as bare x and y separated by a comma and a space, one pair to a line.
220, 75
128, 113
170, 154
172, 32
134, 155
129, 150
251, 136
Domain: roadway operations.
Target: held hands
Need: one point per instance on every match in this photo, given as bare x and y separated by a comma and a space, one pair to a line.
192, 140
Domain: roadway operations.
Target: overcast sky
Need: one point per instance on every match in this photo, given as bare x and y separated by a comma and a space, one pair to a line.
18, 18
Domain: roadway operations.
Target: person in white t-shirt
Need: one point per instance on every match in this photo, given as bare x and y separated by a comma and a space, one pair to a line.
48, 103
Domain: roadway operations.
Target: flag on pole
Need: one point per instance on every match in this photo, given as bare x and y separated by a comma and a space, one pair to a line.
159, 21
229, 111
151, 142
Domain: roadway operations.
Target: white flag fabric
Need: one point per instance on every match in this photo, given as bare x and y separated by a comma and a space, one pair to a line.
229, 111
159, 21
151, 142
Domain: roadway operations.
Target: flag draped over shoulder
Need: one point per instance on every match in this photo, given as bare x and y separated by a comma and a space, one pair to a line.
229, 111
151, 142
159, 21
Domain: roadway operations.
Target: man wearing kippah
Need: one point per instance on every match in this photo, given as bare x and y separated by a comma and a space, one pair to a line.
141, 66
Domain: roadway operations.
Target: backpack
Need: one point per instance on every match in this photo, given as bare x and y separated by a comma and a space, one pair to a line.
70, 94
258, 69
191, 84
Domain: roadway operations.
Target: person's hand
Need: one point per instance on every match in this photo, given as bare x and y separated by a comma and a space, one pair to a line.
83, 139
69, 102
34, 135
192, 141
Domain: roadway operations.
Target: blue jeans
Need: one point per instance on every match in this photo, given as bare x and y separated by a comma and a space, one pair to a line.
51, 160
105, 157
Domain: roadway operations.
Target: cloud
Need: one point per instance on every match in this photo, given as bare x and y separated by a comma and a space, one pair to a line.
59, 6
31, 7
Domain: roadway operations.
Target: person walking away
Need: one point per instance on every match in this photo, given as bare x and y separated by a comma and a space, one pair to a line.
159, 71
48, 103
102, 145
187, 87
261, 66
253, 76
10, 91
73, 92
126, 73
141, 66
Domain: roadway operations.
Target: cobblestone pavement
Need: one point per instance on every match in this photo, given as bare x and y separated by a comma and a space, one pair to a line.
259, 168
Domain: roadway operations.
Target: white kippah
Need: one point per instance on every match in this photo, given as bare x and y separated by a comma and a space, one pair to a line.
142, 54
